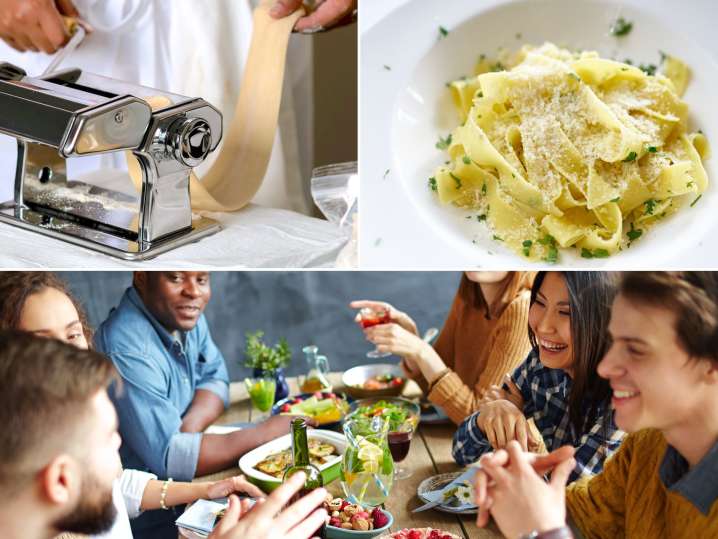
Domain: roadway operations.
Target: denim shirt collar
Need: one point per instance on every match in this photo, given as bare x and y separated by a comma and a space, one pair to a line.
167, 338
698, 485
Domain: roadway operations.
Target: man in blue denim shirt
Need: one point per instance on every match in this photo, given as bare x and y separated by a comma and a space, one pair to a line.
175, 384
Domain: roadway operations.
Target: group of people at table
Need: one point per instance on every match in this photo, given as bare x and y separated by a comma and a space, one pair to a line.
588, 397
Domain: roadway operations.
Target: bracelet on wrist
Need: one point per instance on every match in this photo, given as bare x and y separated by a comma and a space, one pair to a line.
163, 494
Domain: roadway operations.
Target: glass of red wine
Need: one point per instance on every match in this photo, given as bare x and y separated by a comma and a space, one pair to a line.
373, 317
399, 445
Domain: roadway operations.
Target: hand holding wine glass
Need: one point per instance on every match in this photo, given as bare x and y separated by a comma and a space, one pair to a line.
373, 317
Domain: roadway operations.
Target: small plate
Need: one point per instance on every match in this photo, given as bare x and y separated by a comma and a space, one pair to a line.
436, 482
332, 425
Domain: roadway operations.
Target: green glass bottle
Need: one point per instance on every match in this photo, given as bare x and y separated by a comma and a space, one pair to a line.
300, 454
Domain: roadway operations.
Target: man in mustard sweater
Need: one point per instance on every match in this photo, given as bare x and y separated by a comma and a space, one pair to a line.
663, 481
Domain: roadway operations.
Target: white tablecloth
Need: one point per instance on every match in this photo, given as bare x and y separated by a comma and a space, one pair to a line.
255, 237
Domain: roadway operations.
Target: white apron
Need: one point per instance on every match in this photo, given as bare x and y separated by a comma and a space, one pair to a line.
190, 47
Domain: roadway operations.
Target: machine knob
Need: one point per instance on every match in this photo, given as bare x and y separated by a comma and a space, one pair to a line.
191, 140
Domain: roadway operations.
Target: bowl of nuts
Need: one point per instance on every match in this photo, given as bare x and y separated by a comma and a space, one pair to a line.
353, 521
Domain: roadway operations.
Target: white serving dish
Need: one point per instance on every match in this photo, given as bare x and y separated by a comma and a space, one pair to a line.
330, 470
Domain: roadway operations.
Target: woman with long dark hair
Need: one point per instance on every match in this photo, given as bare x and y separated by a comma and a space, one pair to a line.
483, 339
557, 385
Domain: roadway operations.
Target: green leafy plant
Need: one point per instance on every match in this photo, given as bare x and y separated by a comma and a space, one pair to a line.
268, 359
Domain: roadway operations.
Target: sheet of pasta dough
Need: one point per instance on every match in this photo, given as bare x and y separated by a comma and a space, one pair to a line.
237, 174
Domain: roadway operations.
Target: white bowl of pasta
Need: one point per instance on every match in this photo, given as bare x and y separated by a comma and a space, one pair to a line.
539, 133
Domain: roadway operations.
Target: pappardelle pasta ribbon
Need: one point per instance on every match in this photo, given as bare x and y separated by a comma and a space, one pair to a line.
568, 149
237, 173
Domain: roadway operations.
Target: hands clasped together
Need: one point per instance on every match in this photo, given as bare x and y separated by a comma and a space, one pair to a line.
269, 518
511, 488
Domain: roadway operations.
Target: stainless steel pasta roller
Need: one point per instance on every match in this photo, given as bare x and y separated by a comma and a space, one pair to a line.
70, 114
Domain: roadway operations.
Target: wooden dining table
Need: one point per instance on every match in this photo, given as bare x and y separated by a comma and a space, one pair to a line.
430, 454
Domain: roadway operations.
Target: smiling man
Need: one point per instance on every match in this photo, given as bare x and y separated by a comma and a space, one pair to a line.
175, 386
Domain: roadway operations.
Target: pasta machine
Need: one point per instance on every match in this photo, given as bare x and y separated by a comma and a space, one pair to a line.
70, 114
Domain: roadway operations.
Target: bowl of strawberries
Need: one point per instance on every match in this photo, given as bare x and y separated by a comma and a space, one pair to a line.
353, 521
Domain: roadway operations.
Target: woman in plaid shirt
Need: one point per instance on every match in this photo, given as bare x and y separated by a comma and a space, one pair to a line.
557, 385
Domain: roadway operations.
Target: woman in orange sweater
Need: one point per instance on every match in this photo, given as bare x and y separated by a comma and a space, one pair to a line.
484, 337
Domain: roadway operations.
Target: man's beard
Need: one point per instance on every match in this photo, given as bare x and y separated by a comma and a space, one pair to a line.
95, 512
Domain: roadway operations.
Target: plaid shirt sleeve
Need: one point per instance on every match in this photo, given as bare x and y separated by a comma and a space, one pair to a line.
521, 377
594, 448
469, 442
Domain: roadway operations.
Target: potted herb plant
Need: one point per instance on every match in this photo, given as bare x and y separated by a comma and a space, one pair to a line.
268, 361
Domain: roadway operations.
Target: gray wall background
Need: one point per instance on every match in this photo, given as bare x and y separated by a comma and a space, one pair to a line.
304, 307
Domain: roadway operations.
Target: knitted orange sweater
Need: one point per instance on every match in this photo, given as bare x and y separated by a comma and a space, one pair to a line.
479, 351
628, 499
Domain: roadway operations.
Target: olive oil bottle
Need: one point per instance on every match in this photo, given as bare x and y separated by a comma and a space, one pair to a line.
300, 463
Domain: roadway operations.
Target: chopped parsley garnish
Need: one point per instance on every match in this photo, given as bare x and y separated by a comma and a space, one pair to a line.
387, 67
549, 241
432, 184
483, 189
648, 69
481, 217
552, 255
480, 94
498, 66
652, 149
689, 184
650, 206
630, 157
634, 233
527, 247
621, 27
386, 174
617, 199
456, 179
596, 253
466, 159
696, 200
497, 238
443, 32
482, 57
443, 143
574, 76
